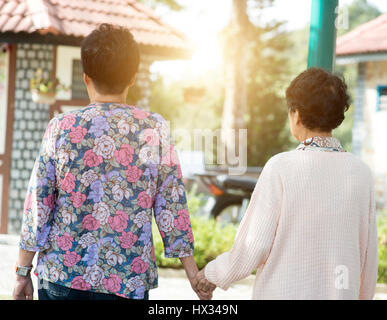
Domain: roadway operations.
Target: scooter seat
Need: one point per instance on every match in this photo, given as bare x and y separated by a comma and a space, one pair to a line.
243, 183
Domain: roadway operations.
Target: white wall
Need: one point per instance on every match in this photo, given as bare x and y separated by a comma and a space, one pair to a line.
375, 124
64, 67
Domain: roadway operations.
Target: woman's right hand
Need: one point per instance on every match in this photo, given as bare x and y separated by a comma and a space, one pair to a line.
203, 285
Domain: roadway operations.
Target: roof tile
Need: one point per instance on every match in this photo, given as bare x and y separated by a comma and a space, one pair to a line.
25, 24
11, 23
9, 7
79, 17
20, 9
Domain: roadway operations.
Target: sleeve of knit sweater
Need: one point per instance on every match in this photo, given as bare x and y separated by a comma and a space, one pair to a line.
369, 273
255, 234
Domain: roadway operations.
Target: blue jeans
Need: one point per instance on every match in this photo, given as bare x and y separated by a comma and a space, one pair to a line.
52, 291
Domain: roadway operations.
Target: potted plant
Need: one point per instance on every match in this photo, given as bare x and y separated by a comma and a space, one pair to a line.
44, 90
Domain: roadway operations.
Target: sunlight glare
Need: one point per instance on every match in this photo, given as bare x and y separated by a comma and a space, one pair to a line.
202, 27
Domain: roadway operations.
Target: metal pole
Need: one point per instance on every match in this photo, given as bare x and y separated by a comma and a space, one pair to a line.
322, 37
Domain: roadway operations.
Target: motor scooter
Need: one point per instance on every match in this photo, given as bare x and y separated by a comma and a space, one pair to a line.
231, 195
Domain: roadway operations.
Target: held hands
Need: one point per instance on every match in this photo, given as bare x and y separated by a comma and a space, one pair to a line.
202, 286
199, 283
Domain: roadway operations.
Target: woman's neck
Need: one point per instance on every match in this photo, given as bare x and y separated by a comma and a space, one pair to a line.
108, 98
312, 134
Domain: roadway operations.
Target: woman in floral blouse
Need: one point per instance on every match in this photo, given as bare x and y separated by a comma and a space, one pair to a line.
100, 173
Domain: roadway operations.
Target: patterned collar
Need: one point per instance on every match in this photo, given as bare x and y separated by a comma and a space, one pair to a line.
329, 144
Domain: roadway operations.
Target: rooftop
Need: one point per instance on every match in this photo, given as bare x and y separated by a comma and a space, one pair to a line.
369, 38
68, 21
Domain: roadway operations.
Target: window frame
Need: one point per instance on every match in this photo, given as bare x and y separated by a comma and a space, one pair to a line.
379, 88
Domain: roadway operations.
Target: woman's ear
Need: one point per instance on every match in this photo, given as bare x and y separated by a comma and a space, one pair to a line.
133, 80
86, 79
298, 118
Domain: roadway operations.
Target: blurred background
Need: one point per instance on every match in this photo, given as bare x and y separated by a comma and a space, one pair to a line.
206, 65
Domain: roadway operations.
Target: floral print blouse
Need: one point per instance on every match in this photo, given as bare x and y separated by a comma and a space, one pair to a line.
329, 144
100, 173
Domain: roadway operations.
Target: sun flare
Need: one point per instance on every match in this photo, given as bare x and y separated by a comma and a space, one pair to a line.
202, 28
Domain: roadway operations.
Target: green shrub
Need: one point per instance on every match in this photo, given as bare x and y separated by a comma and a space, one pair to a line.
211, 239
382, 254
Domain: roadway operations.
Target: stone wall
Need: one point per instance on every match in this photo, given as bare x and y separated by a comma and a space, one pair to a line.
30, 121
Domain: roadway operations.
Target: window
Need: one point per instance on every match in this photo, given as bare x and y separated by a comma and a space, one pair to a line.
78, 88
382, 98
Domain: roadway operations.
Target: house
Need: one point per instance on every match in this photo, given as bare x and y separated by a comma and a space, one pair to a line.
366, 47
47, 34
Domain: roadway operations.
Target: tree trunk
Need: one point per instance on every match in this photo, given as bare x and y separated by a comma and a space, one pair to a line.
235, 103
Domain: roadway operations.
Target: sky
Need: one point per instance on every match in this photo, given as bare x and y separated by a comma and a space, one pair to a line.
204, 19
299, 16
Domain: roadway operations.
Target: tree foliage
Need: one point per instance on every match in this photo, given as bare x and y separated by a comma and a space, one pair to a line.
262, 111
268, 75
359, 12
168, 100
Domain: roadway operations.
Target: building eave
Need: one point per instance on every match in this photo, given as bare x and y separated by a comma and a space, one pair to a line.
157, 52
361, 57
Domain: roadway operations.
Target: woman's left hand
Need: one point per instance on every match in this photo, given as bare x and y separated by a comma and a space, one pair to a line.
23, 290
203, 284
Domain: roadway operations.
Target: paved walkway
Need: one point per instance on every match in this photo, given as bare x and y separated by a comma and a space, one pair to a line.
173, 284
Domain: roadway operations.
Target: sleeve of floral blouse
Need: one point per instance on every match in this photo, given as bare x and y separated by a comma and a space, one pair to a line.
170, 205
40, 197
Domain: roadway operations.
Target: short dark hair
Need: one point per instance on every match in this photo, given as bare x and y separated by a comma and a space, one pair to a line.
320, 97
110, 57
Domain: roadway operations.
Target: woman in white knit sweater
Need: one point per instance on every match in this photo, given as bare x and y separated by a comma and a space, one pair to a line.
310, 229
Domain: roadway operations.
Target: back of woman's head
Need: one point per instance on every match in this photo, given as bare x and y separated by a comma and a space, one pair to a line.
320, 98
110, 57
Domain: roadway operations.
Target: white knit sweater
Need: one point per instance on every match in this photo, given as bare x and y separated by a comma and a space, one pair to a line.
310, 230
